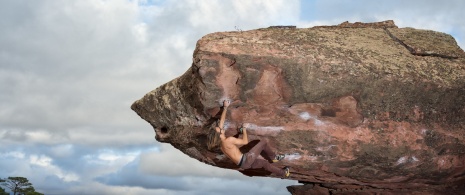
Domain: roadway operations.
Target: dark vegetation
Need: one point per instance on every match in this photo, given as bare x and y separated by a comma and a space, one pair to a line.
17, 185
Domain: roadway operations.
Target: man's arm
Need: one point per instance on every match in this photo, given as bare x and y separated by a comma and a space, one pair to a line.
244, 140
223, 115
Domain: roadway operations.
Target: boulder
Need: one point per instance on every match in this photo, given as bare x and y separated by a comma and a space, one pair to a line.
359, 108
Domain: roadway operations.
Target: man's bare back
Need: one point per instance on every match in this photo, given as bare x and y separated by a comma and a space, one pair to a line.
231, 150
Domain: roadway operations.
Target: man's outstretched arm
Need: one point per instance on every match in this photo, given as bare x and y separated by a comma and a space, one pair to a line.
223, 115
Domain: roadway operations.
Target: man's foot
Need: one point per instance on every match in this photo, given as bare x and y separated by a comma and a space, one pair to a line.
278, 157
287, 172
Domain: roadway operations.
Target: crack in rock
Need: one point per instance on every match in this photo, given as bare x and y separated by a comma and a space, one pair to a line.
414, 51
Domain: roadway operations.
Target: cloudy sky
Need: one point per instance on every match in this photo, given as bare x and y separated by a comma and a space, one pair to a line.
69, 71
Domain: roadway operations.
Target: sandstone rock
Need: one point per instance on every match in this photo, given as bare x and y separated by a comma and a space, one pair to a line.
359, 108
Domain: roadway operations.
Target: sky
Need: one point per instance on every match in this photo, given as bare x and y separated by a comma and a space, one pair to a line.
70, 70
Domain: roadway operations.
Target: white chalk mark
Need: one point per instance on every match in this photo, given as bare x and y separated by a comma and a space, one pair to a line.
226, 125
442, 162
318, 122
220, 157
295, 156
402, 160
407, 159
265, 128
424, 131
324, 148
307, 116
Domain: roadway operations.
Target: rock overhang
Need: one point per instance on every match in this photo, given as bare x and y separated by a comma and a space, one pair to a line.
368, 105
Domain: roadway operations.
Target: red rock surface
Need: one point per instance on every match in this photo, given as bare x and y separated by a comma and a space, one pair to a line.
359, 108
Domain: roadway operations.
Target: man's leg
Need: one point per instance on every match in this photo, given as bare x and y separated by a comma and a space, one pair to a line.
263, 146
269, 152
260, 163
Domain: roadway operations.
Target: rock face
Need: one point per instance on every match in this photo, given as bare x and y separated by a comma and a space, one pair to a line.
359, 108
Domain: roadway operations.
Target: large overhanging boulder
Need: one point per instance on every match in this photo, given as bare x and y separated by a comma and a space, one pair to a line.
358, 107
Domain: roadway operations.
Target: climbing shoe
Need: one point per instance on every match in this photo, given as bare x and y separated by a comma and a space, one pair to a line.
287, 172
278, 157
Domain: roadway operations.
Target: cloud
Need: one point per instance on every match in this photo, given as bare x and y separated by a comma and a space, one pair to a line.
130, 175
58, 169
170, 170
63, 68
169, 161
39, 169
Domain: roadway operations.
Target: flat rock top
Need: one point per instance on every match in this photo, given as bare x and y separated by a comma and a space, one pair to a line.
345, 35
400, 49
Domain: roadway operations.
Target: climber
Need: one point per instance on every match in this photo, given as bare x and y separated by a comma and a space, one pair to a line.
230, 147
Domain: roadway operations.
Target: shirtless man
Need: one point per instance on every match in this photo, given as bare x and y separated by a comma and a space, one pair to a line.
230, 147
